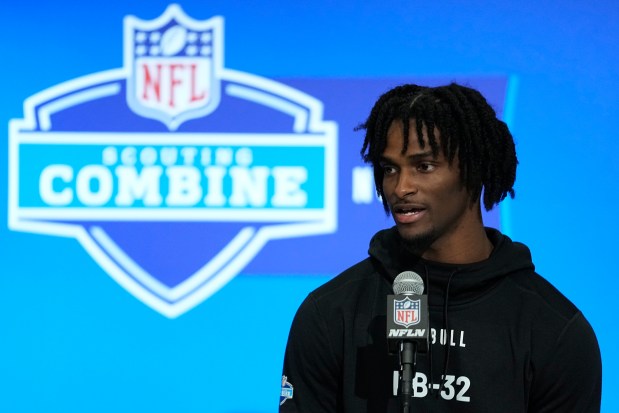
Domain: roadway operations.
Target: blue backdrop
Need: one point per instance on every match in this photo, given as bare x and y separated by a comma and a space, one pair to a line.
80, 331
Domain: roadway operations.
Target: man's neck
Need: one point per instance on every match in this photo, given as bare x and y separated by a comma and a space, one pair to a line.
467, 249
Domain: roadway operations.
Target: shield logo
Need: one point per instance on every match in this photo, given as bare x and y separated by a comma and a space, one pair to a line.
173, 213
286, 392
406, 312
174, 64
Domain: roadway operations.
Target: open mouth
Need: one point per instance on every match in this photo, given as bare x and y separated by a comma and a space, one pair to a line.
407, 210
408, 214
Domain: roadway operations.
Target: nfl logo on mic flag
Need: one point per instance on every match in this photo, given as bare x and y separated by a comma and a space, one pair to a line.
406, 312
173, 172
407, 319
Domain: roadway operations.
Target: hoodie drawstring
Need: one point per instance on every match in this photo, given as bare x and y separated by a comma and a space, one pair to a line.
447, 335
427, 277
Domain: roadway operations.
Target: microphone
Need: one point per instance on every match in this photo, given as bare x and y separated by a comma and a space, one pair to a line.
408, 283
407, 312
408, 328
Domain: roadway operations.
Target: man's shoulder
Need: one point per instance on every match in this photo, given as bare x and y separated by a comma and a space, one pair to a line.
350, 282
563, 347
545, 296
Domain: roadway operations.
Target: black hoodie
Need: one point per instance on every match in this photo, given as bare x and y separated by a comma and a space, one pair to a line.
503, 339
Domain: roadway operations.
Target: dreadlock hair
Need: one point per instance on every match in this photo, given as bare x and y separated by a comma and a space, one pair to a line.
469, 129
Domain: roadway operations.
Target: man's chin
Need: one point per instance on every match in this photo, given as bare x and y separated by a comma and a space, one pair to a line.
416, 242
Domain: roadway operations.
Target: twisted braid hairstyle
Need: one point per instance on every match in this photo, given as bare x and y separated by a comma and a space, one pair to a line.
469, 129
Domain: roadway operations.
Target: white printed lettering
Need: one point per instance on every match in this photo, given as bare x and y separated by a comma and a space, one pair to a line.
444, 338
453, 387
93, 185
420, 385
176, 177
215, 194
448, 391
466, 383
185, 189
363, 191
249, 186
288, 181
133, 186
403, 332
52, 173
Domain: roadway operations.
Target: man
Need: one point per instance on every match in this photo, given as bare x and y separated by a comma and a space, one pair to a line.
502, 338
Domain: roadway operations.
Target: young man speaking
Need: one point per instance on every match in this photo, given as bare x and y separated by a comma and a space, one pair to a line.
502, 338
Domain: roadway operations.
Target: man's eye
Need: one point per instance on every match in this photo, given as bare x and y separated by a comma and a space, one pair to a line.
388, 170
425, 167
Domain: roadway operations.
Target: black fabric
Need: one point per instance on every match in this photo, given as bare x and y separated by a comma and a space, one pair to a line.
516, 344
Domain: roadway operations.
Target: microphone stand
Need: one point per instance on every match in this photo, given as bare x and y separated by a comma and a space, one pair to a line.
408, 365
408, 307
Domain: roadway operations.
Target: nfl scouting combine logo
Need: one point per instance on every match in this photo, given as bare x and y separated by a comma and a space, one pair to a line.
172, 172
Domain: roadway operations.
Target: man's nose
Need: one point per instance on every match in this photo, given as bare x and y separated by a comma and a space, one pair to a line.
406, 185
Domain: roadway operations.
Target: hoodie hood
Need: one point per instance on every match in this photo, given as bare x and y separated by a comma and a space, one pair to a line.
466, 281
